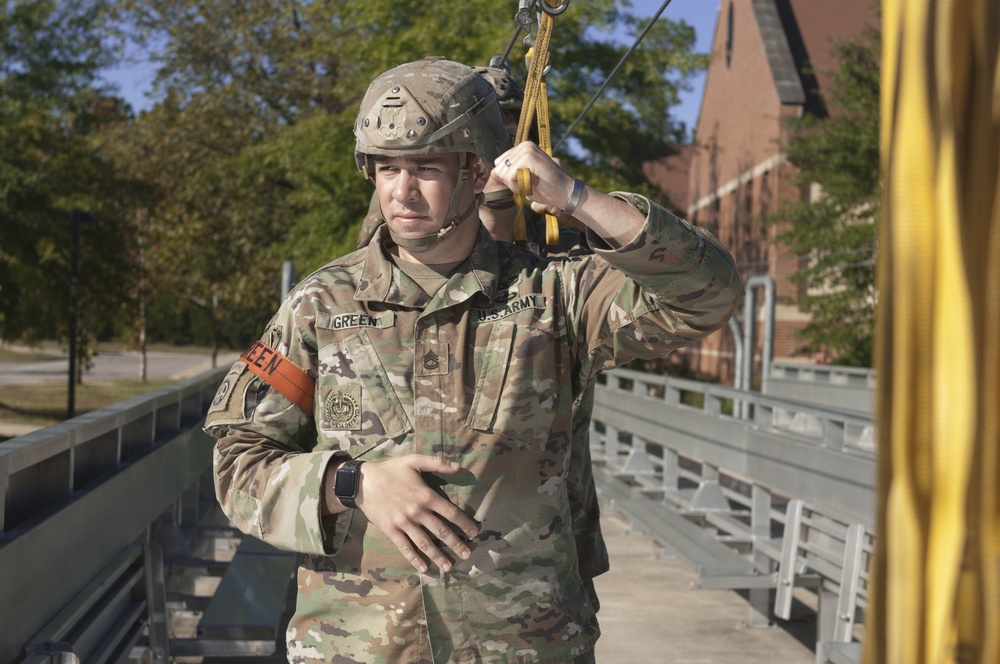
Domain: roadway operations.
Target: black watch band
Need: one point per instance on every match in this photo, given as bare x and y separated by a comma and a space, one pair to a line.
345, 486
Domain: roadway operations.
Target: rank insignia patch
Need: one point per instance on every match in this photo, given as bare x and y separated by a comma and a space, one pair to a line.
431, 361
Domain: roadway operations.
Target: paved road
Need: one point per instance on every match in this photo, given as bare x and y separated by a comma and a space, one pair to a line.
112, 365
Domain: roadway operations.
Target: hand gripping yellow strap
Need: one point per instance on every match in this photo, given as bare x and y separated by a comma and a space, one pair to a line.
278, 371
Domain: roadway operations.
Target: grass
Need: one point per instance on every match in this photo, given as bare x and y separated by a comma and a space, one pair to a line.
44, 405
27, 355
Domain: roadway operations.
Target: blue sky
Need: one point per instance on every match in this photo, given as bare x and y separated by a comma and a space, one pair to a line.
134, 80
701, 14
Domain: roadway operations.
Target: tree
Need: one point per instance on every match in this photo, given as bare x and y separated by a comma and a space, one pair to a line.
837, 231
631, 123
51, 112
250, 146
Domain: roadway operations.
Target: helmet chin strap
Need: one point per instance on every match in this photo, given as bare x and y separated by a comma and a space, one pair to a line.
452, 220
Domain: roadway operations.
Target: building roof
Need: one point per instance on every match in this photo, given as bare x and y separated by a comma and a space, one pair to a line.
779, 55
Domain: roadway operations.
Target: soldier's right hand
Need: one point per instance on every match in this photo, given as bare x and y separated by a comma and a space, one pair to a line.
396, 499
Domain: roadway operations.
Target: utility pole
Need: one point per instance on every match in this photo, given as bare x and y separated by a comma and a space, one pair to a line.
287, 277
76, 217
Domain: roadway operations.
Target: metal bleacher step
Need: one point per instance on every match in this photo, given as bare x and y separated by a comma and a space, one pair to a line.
245, 615
718, 565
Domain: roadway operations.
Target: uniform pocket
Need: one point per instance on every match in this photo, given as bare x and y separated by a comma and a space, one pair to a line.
518, 390
358, 408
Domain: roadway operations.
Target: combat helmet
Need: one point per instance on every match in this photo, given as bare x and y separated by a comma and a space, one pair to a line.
431, 106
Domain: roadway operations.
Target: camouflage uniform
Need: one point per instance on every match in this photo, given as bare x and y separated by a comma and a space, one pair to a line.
582, 492
484, 373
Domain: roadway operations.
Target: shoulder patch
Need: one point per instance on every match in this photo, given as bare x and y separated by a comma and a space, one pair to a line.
230, 403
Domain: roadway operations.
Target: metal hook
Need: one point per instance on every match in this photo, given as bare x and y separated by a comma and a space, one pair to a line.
523, 15
500, 61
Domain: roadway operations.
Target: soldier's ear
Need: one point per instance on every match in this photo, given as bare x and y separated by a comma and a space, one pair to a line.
479, 172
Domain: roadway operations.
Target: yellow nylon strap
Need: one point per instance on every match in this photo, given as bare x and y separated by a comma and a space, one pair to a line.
536, 104
935, 589
545, 142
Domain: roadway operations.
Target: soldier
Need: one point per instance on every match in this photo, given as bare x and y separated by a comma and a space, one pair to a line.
497, 214
424, 477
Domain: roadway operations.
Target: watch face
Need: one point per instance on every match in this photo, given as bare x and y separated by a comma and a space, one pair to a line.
346, 482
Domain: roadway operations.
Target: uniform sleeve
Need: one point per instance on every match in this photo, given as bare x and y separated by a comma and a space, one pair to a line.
268, 474
671, 285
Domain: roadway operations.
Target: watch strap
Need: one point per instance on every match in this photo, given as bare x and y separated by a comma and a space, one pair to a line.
349, 467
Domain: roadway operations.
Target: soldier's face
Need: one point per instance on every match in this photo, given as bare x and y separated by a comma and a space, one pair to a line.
415, 192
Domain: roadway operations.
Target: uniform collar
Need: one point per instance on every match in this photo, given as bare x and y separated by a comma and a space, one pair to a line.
382, 281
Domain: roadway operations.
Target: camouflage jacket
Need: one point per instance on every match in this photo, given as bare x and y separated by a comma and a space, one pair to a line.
485, 373
585, 509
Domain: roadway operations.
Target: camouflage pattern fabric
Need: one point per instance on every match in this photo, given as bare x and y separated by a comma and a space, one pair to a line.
372, 221
485, 373
585, 507
394, 122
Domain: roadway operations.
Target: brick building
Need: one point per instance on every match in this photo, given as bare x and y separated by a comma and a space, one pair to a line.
770, 61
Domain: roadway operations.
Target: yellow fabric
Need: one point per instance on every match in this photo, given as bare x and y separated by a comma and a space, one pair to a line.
536, 104
935, 592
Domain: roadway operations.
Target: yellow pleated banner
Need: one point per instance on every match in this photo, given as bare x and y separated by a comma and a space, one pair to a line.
935, 590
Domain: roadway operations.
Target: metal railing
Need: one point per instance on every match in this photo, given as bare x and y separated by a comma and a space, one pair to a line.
791, 489
833, 386
77, 565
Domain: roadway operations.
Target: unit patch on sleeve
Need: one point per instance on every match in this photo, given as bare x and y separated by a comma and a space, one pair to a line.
342, 408
530, 301
350, 320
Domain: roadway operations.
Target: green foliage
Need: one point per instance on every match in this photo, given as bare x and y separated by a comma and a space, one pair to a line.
838, 231
630, 123
246, 159
51, 117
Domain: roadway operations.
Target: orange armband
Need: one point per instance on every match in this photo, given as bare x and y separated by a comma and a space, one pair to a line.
278, 371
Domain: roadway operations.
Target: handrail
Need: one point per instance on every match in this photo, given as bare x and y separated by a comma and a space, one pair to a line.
824, 373
80, 498
80, 494
823, 456
682, 445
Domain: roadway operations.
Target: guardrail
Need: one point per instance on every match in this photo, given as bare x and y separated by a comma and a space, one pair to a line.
780, 501
79, 570
94, 510
831, 385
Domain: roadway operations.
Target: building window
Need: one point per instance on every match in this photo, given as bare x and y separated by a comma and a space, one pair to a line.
729, 37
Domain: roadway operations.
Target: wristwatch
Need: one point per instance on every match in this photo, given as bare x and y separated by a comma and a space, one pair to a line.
345, 487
